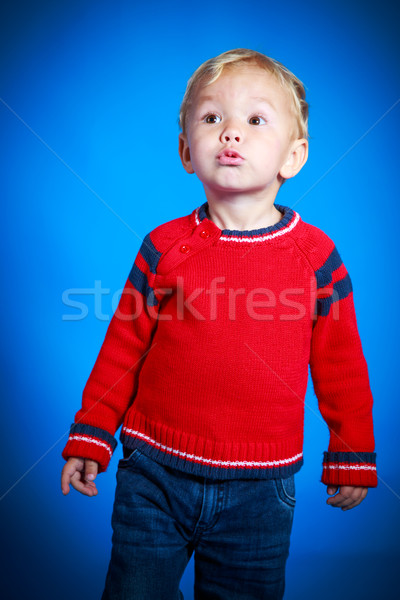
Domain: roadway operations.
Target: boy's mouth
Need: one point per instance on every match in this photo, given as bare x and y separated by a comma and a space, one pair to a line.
228, 156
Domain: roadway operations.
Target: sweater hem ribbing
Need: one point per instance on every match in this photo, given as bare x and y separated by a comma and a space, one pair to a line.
197, 456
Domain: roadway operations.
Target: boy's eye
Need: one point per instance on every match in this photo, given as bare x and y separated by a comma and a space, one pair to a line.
212, 119
256, 120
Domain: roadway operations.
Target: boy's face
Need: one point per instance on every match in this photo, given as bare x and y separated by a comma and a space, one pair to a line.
248, 112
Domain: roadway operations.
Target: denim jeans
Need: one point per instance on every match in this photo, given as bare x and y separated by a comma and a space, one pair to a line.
238, 529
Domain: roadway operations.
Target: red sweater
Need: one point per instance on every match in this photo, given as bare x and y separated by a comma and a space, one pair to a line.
205, 361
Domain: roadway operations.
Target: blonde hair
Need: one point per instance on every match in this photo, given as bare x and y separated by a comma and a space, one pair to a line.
210, 70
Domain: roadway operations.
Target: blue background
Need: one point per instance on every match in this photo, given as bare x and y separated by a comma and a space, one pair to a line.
90, 93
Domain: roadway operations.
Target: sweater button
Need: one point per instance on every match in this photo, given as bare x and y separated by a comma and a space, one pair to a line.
204, 234
184, 249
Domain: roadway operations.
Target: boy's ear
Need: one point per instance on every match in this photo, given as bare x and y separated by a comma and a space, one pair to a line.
296, 159
184, 153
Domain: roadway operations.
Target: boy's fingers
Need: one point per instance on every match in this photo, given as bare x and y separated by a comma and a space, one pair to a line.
340, 498
349, 503
348, 497
65, 479
83, 486
79, 473
70, 467
352, 505
331, 489
361, 494
91, 470
341, 501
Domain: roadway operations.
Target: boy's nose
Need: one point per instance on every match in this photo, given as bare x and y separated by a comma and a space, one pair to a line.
231, 133
228, 137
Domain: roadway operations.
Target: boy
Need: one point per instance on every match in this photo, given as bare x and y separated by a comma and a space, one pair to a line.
205, 362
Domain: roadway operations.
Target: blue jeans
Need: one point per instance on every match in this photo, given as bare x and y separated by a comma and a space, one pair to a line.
238, 529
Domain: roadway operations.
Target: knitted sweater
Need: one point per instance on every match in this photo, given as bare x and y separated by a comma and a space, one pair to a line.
205, 361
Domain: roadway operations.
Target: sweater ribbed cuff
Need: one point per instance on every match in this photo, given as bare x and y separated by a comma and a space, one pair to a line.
86, 441
349, 468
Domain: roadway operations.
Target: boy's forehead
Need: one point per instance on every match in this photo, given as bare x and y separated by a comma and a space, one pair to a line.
261, 86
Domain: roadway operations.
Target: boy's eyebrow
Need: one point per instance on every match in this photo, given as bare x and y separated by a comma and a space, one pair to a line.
261, 99
204, 98
258, 98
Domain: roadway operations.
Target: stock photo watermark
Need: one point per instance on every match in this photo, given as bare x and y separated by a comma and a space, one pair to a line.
259, 304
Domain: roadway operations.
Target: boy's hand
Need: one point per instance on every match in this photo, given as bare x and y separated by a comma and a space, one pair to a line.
80, 473
348, 497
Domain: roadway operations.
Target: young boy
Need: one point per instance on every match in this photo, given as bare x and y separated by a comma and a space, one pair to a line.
205, 361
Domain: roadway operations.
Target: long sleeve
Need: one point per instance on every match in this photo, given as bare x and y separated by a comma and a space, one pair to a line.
341, 382
112, 384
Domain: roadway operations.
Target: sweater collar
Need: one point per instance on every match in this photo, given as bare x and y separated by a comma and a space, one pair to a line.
289, 220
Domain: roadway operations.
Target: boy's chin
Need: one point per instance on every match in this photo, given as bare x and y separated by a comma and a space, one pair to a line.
234, 189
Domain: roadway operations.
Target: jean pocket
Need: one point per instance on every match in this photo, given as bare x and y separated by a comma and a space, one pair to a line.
286, 490
129, 460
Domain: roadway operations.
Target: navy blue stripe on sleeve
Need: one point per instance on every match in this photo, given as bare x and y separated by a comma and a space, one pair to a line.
139, 279
350, 457
150, 254
101, 434
341, 289
141, 284
324, 273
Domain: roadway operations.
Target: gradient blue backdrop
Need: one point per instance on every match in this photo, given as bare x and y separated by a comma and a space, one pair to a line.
90, 93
